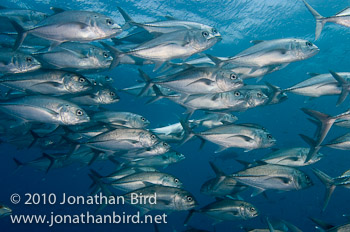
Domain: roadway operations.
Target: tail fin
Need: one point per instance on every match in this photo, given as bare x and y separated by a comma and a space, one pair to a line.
128, 20
320, 20
189, 216
324, 226
96, 181
19, 164
147, 80
52, 161
116, 54
313, 147
345, 87
326, 123
328, 182
188, 132
22, 34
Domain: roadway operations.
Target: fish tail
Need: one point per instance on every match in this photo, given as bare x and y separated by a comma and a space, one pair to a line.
328, 182
345, 87
35, 138
188, 131
275, 91
320, 20
22, 34
147, 80
18, 163
321, 225
189, 216
96, 181
314, 148
129, 22
52, 161
326, 123
116, 54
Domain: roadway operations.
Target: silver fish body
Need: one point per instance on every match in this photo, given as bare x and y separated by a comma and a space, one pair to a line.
17, 62
122, 119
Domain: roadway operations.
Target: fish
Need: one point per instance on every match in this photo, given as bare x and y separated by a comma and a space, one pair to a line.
331, 183
168, 199
246, 136
75, 57
70, 25
342, 142
227, 210
294, 157
155, 150
273, 52
144, 179
97, 96
45, 109
341, 18
163, 160
272, 176
12, 62
322, 85
174, 45
47, 82
122, 119
166, 26
122, 139
5, 211
196, 81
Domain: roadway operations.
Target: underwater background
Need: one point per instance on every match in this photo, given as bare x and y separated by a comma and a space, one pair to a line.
239, 22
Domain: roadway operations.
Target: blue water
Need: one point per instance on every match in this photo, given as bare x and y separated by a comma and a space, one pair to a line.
239, 22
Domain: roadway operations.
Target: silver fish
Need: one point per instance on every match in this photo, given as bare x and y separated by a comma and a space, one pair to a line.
48, 82
123, 139
174, 45
168, 199
25, 17
163, 160
75, 57
341, 18
82, 26
97, 96
294, 157
272, 176
144, 179
227, 210
155, 150
122, 119
197, 81
274, 52
167, 26
246, 136
342, 142
45, 109
326, 227
17, 62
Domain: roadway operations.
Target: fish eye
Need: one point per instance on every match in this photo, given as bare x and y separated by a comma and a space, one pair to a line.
309, 44
176, 180
165, 144
81, 80
214, 31
189, 198
112, 94
237, 94
178, 154
259, 94
205, 34
29, 59
109, 22
153, 136
105, 55
79, 112
252, 209
143, 119
269, 136
233, 76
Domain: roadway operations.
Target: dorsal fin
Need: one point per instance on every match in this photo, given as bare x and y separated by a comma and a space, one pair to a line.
57, 10
344, 12
256, 41
169, 17
217, 171
311, 74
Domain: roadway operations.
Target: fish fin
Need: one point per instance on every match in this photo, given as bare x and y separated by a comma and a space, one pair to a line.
245, 138
217, 170
116, 54
168, 17
311, 74
57, 10
344, 12
18, 163
326, 123
189, 216
328, 182
129, 22
188, 131
159, 95
320, 20
157, 65
96, 155
220, 149
257, 191
22, 34
345, 87
275, 91
256, 41
322, 224
314, 148
246, 164
147, 80
218, 62
52, 161
35, 138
